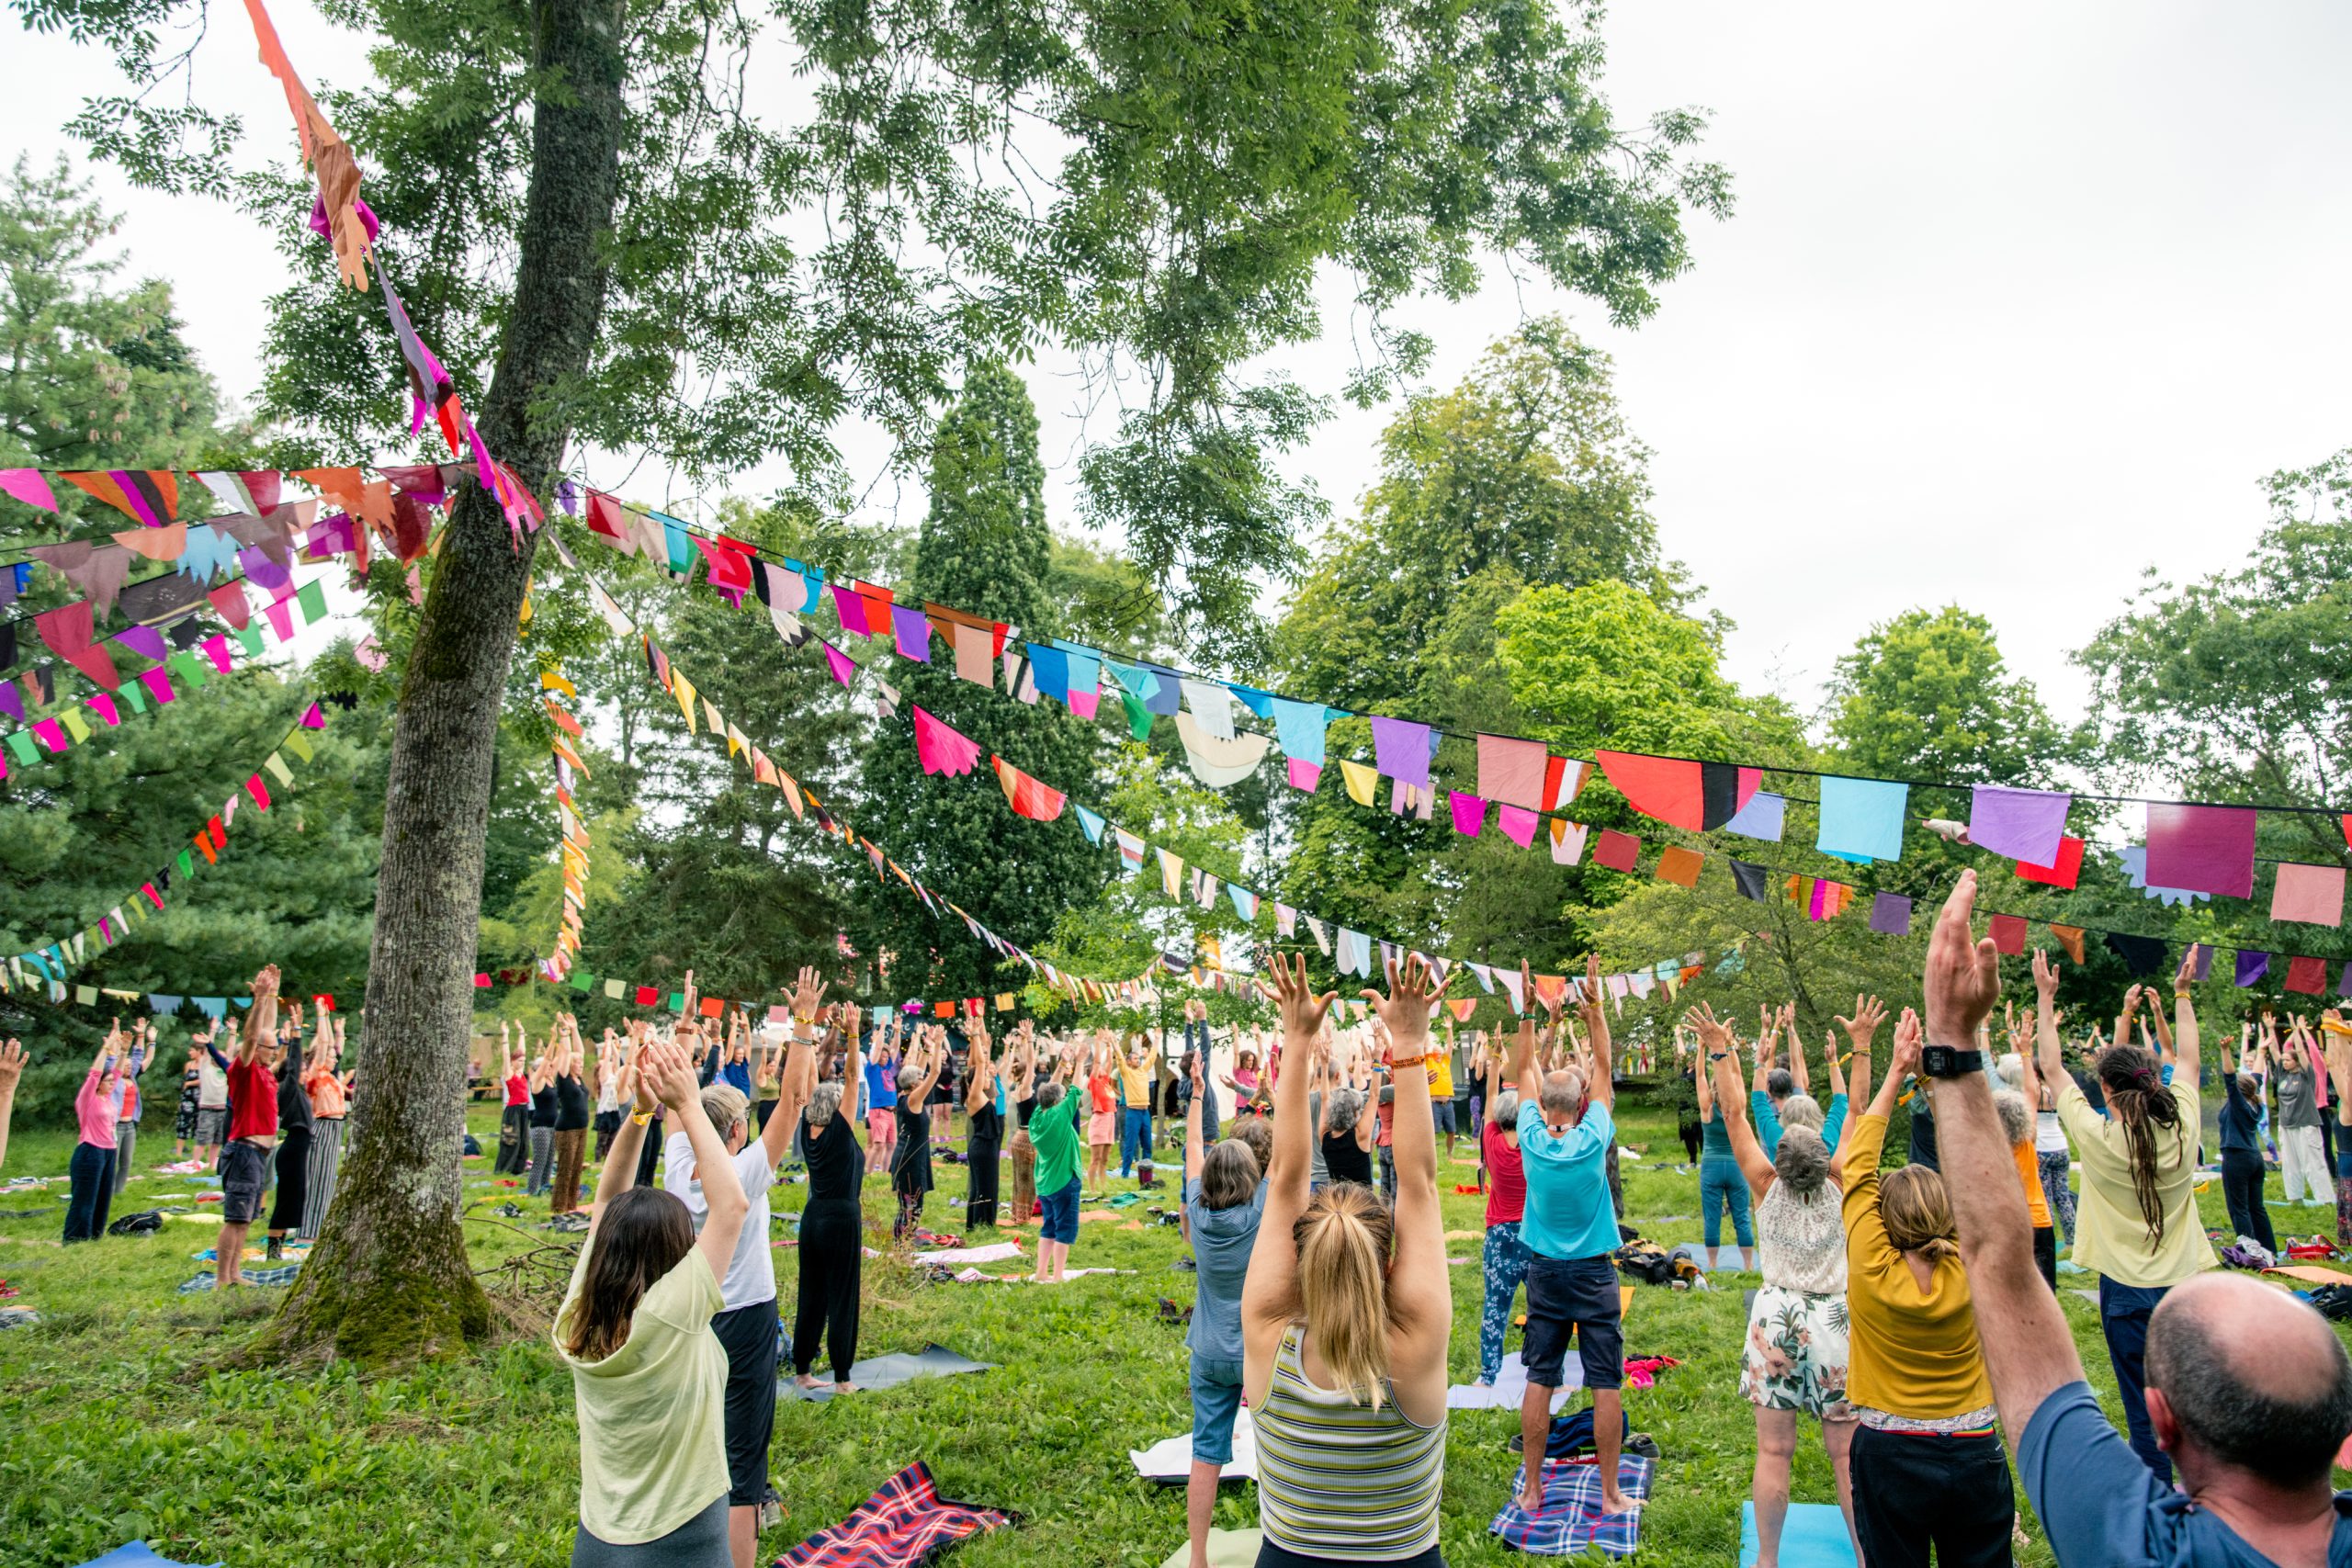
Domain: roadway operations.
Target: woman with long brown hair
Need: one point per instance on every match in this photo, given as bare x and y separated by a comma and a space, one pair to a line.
1345, 1315
2136, 1222
647, 1375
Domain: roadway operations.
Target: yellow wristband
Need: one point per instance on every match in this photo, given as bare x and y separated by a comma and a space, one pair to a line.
640, 1117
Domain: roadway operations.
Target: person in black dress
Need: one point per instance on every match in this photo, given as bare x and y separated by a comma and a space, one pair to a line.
984, 1124
832, 1242
910, 1162
572, 1113
293, 1137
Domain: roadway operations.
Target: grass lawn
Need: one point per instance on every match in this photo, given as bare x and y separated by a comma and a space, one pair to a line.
115, 1421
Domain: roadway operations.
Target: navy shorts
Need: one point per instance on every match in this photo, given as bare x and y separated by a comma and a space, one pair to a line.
245, 1170
1441, 1112
1576, 1294
1061, 1215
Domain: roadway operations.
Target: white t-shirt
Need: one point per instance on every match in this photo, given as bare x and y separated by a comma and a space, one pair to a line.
751, 1273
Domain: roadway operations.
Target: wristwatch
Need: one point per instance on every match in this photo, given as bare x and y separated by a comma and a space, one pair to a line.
1949, 1062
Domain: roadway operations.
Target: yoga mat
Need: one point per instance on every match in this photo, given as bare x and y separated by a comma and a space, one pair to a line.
890, 1372
2314, 1276
1728, 1257
996, 1253
1510, 1387
138, 1554
1813, 1537
1228, 1549
1169, 1461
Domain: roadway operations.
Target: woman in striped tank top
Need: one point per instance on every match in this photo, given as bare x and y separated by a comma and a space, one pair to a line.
1345, 1315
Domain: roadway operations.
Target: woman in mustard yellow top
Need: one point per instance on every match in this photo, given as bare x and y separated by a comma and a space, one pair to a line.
1927, 1464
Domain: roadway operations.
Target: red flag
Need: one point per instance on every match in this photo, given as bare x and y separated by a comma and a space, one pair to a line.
1699, 796
1027, 797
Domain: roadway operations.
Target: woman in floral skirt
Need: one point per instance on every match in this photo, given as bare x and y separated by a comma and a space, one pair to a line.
1795, 1360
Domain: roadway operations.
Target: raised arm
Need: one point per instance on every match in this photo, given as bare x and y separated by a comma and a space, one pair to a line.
722, 1190
1603, 1090
1193, 1149
2048, 1055
261, 1019
1799, 1075
1722, 1064
1270, 1289
799, 1069
637, 1080
12, 1068
2185, 1040
1420, 1290
1703, 1074
2028, 1351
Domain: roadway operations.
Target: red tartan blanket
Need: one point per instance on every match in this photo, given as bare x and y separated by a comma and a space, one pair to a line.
904, 1524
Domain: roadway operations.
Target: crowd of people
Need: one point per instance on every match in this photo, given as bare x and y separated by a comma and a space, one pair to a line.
1908, 1309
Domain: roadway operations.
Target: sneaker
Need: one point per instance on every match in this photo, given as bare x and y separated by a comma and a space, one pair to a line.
1186, 1265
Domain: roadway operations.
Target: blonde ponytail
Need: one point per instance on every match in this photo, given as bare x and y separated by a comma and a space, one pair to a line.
1343, 1241
1916, 1208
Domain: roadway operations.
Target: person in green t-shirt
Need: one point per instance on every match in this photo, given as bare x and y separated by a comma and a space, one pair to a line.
1054, 1129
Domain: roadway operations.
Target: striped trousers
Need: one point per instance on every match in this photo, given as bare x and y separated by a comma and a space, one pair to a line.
326, 1155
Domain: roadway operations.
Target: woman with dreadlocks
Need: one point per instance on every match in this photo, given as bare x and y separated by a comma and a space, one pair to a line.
2136, 1225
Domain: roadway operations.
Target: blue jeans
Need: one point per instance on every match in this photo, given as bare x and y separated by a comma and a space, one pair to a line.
1504, 1261
1217, 1399
1720, 1186
1135, 1135
2123, 1317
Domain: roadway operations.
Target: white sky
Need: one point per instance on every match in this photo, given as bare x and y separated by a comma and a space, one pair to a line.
2018, 300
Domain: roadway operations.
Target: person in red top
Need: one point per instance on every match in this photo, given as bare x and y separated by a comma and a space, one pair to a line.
252, 1128
1504, 1257
514, 1123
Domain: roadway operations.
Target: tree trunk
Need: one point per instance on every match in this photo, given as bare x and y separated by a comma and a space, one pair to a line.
388, 1279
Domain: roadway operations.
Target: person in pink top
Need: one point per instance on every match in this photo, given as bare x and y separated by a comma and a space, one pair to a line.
1504, 1256
91, 1173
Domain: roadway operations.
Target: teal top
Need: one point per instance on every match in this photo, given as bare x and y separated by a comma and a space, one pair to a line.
1715, 1143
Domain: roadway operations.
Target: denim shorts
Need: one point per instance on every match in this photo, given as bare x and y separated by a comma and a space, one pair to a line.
243, 1173
1217, 1399
1061, 1215
1578, 1294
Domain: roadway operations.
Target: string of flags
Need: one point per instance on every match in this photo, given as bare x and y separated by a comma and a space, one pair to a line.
2190, 850
572, 843
46, 968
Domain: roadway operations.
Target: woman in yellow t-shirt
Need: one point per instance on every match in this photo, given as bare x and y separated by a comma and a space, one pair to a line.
649, 1377
1926, 1459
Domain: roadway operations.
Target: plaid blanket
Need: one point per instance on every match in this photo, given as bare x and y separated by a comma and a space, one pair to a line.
904, 1524
1572, 1521
284, 1276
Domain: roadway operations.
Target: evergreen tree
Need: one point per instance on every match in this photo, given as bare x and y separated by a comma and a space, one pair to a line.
984, 547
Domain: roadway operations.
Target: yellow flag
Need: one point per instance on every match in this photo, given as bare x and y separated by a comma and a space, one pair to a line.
1360, 779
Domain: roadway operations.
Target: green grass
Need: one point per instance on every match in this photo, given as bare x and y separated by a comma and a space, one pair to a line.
117, 1421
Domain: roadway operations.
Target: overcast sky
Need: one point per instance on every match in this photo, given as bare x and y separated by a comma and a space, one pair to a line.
2017, 301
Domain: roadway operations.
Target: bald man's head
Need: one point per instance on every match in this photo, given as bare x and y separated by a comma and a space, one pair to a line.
2255, 1377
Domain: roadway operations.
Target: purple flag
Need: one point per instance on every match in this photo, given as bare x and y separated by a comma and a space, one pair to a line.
2023, 824
1402, 749
145, 641
2252, 966
2202, 953
2203, 848
913, 632
1890, 915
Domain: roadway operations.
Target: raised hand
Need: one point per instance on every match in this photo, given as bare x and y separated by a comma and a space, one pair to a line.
1963, 975
12, 1065
264, 984
1862, 1027
2045, 975
1715, 1033
1302, 1009
1406, 1009
808, 994
1907, 1042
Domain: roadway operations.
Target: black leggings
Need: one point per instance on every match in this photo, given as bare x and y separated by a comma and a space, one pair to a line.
979, 1198
1911, 1492
2242, 1190
832, 1240
514, 1142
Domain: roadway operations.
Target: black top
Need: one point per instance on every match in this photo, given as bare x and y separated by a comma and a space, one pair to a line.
571, 1105
910, 1160
2239, 1119
543, 1107
987, 1126
1025, 1109
293, 1101
836, 1163
1923, 1131
1344, 1159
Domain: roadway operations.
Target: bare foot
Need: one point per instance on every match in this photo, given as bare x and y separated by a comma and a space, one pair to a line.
1530, 1503
844, 1388
1614, 1501
805, 1381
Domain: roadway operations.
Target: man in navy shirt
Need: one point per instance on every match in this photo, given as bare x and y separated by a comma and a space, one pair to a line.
2249, 1392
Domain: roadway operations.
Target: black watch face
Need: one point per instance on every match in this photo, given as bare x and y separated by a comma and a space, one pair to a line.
1942, 1061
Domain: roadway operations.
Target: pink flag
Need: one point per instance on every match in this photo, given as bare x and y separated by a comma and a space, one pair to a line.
2201, 849
941, 748
158, 684
313, 717
1469, 812
1518, 824
1511, 770
27, 486
1304, 775
840, 663
259, 791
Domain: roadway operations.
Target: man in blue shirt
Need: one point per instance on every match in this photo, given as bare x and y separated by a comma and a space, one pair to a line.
1570, 1230
2248, 1390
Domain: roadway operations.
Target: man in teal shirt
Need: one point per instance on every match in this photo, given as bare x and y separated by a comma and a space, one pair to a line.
1570, 1230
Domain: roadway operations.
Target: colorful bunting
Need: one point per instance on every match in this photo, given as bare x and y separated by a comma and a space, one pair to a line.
1698, 797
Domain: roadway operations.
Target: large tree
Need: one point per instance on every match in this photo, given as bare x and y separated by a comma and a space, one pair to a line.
984, 547
596, 202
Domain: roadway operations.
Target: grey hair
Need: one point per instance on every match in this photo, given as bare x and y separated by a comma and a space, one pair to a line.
1505, 1113
1049, 1094
1801, 1111
726, 1107
1346, 1108
1777, 1084
2017, 1120
1563, 1091
2010, 1070
2288, 1439
1802, 1162
823, 1102
909, 1077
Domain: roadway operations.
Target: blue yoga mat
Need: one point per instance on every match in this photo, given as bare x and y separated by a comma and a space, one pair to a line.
138, 1554
1813, 1537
